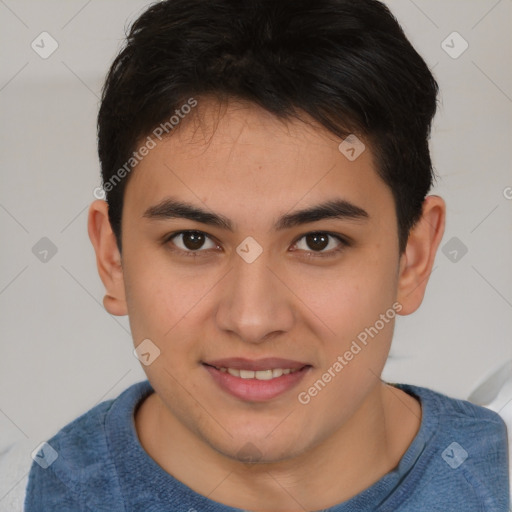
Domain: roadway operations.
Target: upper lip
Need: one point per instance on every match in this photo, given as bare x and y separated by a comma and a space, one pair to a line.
268, 363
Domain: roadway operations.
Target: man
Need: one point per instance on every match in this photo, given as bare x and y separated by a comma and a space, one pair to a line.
266, 169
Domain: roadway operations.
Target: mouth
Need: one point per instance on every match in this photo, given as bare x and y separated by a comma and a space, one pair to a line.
256, 380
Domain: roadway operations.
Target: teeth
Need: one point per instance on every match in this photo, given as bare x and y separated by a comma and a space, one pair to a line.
264, 374
259, 374
247, 374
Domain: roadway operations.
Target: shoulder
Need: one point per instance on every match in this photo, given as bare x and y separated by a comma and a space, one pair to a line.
76, 466
62, 465
464, 419
466, 452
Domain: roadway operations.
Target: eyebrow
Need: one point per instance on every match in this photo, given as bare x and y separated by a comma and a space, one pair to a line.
170, 208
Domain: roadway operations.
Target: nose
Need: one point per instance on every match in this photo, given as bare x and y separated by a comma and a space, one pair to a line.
255, 304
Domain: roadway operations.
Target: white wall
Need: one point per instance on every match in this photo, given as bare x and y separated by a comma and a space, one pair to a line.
61, 353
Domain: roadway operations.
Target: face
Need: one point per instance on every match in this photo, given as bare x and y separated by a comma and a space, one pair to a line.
253, 286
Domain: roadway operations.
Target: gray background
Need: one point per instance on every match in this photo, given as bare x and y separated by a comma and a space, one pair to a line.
62, 353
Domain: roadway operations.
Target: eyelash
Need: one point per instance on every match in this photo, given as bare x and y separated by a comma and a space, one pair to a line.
329, 254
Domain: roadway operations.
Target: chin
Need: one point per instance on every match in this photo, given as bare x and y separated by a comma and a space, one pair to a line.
262, 449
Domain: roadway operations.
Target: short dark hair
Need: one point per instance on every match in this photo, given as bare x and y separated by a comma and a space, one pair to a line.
345, 63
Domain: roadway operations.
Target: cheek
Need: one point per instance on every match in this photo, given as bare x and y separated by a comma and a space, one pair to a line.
358, 308
347, 299
166, 303
154, 295
338, 301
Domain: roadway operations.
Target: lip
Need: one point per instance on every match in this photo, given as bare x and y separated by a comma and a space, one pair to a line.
254, 390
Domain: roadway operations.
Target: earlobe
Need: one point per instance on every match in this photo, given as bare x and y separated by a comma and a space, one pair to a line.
418, 259
108, 258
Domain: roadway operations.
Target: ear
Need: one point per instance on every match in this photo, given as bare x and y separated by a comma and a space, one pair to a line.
108, 258
418, 258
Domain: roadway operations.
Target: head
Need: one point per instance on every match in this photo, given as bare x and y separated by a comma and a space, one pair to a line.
266, 197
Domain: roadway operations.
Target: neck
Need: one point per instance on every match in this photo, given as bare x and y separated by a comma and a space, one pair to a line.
339, 467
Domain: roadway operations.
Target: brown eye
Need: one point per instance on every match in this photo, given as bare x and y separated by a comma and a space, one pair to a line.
318, 242
191, 241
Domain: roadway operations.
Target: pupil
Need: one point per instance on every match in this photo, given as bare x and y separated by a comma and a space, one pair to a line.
317, 241
193, 240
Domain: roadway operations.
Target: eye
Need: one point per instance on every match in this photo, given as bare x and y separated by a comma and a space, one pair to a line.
190, 242
320, 240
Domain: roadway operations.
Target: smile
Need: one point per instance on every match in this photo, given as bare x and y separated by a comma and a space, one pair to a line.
256, 381
258, 374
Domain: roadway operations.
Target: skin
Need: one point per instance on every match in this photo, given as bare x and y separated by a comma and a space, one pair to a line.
243, 163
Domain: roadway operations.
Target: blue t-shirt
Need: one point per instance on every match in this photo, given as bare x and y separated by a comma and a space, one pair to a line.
457, 462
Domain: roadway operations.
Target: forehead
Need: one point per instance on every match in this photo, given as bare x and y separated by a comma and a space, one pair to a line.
240, 158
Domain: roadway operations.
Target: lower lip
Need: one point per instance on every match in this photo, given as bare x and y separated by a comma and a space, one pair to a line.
255, 390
